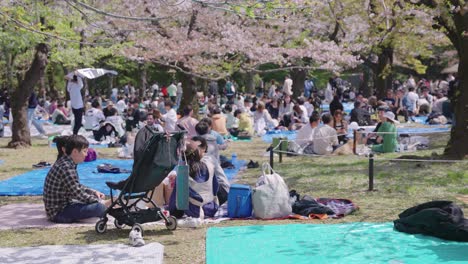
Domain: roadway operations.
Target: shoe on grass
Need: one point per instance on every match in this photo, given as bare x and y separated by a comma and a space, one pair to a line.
135, 238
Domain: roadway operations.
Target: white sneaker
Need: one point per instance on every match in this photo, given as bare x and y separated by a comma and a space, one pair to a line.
135, 238
42, 136
189, 222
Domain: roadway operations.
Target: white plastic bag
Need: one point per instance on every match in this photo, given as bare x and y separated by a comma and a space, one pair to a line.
270, 198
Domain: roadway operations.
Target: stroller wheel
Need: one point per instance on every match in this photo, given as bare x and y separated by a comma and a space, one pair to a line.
137, 226
118, 224
101, 226
171, 223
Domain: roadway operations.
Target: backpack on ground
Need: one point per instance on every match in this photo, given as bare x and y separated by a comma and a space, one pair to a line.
91, 156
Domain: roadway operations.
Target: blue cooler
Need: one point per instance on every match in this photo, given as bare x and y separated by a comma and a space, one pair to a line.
240, 201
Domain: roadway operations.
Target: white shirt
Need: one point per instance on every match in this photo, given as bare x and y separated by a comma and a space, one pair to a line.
325, 137
92, 118
413, 99
121, 106
309, 107
115, 91
155, 87
305, 112
329, 93
170, 119
271, 93
305, 135
74, 88
438, 105
179, 88
287, 86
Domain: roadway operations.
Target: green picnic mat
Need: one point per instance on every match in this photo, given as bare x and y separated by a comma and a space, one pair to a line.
328, 243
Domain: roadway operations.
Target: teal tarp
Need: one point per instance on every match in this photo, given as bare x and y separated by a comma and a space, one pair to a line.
328, 243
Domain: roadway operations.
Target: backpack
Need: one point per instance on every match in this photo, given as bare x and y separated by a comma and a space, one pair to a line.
91, 156
109, 168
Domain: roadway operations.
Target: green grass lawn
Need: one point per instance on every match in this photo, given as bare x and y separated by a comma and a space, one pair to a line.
398, 185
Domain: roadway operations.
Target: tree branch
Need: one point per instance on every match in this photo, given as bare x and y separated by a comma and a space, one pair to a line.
104, 13
193, 20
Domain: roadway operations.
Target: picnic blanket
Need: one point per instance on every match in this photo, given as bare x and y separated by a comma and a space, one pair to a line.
291, 135
32, 182
95, 254
327, 243
27, 215
347, 107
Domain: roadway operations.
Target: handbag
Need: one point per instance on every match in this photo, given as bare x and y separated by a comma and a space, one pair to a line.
270, 198
182, 185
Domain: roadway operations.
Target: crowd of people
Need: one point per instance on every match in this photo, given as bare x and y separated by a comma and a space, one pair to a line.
224, 114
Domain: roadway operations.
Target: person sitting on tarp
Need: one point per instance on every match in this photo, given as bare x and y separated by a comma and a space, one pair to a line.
66, 200
245, 129
360, 115
325, 137
93, 118
60, 115
386, 134
303, 144
203, 184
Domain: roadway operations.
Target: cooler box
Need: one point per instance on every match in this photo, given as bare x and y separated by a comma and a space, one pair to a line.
240, 201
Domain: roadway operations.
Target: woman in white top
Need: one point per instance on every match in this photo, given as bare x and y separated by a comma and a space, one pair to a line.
299, 118
262, 120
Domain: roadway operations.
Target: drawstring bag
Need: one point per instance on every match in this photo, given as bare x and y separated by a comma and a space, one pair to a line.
270, 198
182, 185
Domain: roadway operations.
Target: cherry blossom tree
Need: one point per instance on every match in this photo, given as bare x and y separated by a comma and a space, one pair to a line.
212, 40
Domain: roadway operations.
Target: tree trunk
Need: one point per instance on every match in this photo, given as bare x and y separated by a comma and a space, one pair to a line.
19, 102
383, 72
204, 86
298, 77
51, 91
189, 93
457, 147
366, 89
250, 84
143, 81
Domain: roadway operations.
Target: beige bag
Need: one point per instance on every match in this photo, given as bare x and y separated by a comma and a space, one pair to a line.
270, 198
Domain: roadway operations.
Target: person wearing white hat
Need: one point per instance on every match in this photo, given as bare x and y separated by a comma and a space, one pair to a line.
387, 134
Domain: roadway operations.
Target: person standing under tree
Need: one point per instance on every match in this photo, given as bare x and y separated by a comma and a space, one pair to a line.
287, 86
74, 86
172, 92
179, 94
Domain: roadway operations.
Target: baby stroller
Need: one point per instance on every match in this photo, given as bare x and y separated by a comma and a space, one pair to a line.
151, 166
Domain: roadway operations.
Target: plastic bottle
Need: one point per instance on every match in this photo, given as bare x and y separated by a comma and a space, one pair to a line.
233, 157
